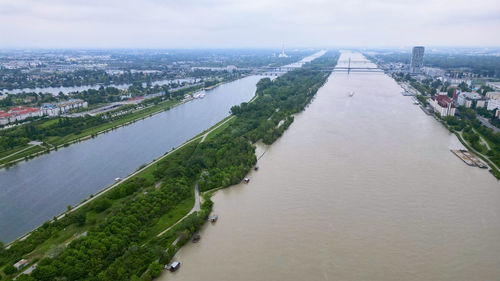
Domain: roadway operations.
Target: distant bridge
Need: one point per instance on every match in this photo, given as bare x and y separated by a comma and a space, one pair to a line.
350, 69
358, 70
352, 61
277, 71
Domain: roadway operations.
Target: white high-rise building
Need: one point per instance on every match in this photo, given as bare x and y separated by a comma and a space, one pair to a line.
417, 59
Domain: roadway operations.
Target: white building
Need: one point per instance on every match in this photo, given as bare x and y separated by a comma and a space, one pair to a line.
493, 104
494, 85
50, 109
467, 98
493, 100
21, 264
66, 106
493, 95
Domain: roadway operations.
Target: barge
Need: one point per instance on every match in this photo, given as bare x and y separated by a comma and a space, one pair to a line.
469, 158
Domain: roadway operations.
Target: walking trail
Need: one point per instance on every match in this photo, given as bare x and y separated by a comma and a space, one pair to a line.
196, 206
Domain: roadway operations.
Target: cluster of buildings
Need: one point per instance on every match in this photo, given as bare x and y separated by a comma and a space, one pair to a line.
63, 107
445, 105
20, 113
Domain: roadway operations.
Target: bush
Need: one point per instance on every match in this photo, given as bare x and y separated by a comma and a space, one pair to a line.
101, 205
155, 268
9, 269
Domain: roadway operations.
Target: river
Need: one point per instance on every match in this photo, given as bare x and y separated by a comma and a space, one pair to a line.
67, 90
358, 188
35, 191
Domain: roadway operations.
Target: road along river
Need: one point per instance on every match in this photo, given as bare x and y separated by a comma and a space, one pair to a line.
358, 188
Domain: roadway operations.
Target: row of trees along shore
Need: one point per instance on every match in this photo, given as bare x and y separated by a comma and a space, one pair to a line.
120, 241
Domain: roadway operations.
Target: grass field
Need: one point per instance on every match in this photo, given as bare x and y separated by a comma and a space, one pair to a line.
27, 153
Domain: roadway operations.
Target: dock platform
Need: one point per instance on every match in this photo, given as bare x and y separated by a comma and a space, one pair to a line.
469, 158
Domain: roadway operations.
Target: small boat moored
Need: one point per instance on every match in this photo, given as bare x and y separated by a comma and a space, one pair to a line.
196, 238
213, 218
174, 266
246, 180
118, 179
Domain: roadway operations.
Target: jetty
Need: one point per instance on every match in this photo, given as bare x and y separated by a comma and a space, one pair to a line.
469, 158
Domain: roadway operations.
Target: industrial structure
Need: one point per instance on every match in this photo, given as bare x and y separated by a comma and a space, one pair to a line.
282, 54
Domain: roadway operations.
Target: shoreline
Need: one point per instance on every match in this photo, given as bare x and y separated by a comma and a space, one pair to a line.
260, 150
492, 168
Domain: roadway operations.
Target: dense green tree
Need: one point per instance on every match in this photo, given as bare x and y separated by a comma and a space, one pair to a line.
9, 269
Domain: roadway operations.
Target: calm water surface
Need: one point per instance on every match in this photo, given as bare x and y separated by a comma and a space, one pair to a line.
35, 191
361, 188
67, 90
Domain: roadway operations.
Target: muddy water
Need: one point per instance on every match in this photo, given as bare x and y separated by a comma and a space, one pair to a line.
358, 188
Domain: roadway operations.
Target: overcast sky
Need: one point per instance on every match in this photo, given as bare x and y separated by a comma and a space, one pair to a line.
249, 23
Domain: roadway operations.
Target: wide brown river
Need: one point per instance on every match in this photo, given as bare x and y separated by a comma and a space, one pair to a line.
358, 188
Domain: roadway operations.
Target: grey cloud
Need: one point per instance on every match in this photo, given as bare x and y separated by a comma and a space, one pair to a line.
235, 23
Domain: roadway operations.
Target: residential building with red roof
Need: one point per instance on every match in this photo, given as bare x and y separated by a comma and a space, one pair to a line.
18, 114
443, 105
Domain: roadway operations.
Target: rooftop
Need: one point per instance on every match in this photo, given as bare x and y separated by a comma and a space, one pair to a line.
471, 95
493, 95
443, 100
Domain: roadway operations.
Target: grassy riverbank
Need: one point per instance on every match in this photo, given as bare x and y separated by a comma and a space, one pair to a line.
114, 236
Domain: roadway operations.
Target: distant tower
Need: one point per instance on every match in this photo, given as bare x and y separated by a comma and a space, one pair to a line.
283, 55
417, 59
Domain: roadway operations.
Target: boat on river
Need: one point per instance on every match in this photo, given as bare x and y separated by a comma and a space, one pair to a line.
174, 266
351, 94
199, 96
196, 238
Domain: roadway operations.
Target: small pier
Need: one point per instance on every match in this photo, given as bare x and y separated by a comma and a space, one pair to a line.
469, 158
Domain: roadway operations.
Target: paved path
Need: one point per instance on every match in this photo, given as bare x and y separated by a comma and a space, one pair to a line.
482, 140
195, 208
206, 134
32, 144
17, 152
490, 163
487, 123
197, 205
